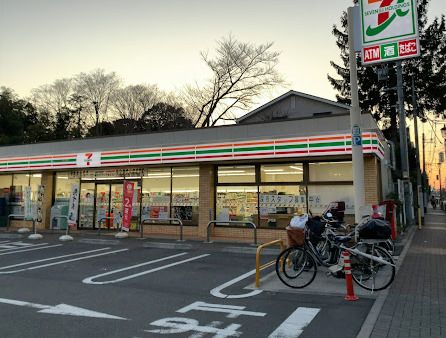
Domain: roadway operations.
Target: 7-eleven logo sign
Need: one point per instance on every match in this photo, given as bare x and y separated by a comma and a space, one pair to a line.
385, 20
90, 159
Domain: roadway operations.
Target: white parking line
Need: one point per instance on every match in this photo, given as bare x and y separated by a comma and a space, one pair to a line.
32, 249
294, 325
4, 242
60, 262
216, 292
89, 280
18, 245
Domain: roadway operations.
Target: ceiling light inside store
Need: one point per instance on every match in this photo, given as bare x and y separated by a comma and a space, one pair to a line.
231, 171
297, 168
272, 170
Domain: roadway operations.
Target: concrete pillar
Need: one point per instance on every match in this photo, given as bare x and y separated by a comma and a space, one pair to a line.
47, 182
207, 198
371, 180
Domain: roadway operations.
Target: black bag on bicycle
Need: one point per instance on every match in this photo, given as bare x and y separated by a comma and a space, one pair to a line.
316, 227
374, 229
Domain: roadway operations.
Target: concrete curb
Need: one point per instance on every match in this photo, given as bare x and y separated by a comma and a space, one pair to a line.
372, 317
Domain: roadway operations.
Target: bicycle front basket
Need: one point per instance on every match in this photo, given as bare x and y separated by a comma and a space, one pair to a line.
295, 236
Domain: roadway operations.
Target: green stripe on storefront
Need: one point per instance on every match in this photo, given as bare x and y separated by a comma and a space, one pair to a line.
116, 157
214, 151
180, 153
292, 146
40, 162
239, 150
17, 163
326, 144
145, 155
64, 160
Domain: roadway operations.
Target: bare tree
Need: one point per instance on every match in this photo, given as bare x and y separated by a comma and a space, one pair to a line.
53, 98
97, 88
240, 73
132, 101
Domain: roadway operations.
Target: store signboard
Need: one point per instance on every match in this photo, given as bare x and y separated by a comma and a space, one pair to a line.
28, 204
74, 205
389, 30
129, 188
91, 159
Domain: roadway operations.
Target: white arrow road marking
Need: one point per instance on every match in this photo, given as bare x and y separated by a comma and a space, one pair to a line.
294, 325
89, 280
60, 262
18, 245
61, 309
32, 249
216, 292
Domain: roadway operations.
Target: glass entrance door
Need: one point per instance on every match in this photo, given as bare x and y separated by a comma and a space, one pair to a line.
86, 205
109, 205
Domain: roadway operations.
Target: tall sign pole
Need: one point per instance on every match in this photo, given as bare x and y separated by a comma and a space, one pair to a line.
355, 123
389, 32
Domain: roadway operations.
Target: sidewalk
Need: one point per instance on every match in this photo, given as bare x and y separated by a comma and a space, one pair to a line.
416, 303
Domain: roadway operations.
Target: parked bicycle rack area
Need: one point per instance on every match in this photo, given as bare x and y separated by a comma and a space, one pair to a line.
270, 263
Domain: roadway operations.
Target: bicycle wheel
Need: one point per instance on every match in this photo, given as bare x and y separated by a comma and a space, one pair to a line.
370, 274
295, 267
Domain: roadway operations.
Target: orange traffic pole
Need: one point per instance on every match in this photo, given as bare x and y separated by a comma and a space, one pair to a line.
348, 277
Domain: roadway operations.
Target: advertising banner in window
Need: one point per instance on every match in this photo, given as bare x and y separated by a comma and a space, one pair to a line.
73, 205
28, 204
129, 188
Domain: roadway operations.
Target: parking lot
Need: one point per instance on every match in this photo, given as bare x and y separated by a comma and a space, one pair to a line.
102, 287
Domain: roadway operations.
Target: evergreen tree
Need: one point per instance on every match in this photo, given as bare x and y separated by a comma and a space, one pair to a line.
428, 70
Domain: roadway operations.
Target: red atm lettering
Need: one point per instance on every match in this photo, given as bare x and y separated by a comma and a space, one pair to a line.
372, 54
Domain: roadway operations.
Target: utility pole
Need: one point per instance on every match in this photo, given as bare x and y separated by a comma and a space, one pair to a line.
424, 175
355, 124
420, 211
96, 108
403, 140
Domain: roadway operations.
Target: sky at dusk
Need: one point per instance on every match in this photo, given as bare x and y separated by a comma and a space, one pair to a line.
158, 42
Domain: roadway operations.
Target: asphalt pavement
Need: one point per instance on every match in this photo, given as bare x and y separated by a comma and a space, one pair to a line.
102, 287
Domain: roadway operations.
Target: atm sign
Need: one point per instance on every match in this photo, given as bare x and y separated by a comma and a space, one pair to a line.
390, 51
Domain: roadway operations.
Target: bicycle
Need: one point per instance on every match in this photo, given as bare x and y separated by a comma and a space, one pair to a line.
373, 268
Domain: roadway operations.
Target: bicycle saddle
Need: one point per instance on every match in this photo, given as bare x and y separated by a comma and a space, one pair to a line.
343, 239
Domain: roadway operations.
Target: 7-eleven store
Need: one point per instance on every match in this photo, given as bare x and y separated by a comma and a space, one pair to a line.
262, 172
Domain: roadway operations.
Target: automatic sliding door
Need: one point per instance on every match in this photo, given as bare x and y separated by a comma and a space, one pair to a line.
103, 217
86, 205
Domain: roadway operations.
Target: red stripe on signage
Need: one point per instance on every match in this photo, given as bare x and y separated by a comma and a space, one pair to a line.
256, 154
145, 151
17, 167
114, 162
151, 160
294, 140
291, 152
64, 156
215, 146
114, 152
178, 158
326, 138
326, 150
40, 166
253, 143
64, 165
214, 156
178, 148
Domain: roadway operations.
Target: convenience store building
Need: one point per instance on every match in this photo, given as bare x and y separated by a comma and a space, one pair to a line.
289, 156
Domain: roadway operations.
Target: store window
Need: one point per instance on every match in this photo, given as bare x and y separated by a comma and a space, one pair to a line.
237, 174
19, 181
278, 204
237, 203
185, 194
156, 189
331, 171
320, 196
5, 185
282, 172
34, 181
63, 187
